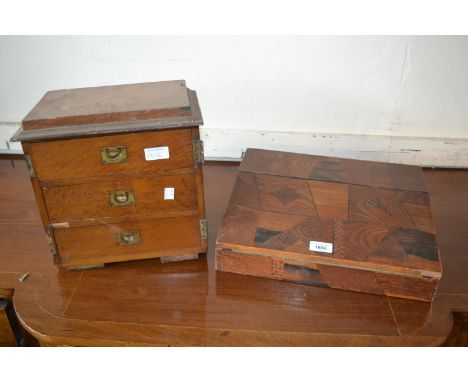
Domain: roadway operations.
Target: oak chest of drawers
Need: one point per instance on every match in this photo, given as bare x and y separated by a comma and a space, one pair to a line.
116, 172
324, 221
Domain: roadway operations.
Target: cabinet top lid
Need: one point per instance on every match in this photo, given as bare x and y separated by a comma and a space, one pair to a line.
111, 109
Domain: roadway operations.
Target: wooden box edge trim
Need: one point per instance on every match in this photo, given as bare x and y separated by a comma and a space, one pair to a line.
344, 263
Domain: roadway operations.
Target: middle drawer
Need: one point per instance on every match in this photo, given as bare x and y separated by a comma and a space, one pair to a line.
94, 203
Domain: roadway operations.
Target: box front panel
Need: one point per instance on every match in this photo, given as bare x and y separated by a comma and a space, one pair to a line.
308, 273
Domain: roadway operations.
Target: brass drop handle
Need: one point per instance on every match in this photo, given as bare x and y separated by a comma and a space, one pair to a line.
129, 237
121, 198
113, 152
116, 154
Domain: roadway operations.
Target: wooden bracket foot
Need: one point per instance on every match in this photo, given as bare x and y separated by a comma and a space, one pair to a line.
176, 258
83, 267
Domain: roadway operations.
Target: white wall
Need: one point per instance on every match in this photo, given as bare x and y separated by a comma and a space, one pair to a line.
401, 99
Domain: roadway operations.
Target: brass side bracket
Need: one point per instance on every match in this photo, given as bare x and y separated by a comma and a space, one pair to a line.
53, 248
204, 229
198, 151
27, 157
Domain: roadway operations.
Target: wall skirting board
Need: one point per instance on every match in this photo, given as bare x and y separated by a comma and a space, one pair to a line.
229, 144
420, 151
7, 129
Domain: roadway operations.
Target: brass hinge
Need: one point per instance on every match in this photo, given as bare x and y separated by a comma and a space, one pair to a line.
198, 152
203, 229
53, 248
30, 165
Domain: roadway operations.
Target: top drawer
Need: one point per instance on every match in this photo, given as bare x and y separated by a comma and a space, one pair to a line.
112, 154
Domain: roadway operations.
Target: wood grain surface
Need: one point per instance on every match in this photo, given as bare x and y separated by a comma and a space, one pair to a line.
80, 158
350, 171
101, 128
89, 203
104, 104
189, 303
100, 241
73, 189
374, 214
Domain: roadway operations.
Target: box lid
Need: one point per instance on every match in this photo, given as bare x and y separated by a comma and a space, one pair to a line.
356, 214
111, 109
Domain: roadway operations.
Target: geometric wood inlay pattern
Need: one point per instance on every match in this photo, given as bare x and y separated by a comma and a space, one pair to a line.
377, 217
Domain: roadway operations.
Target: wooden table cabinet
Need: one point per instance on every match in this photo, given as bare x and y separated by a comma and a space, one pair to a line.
116, 171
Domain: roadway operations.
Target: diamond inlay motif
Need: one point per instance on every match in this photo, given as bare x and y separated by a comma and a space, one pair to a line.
286, 194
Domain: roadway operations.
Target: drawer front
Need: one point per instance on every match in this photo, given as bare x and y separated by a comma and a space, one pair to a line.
129, 239
112, 154
92, 203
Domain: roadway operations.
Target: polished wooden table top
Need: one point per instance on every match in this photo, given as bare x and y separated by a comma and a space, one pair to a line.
189, 303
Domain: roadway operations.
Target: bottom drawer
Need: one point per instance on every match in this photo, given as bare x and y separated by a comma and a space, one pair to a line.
82, 246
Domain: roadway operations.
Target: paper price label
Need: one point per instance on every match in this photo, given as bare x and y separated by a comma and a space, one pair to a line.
169, 193
318, 246
156, 153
